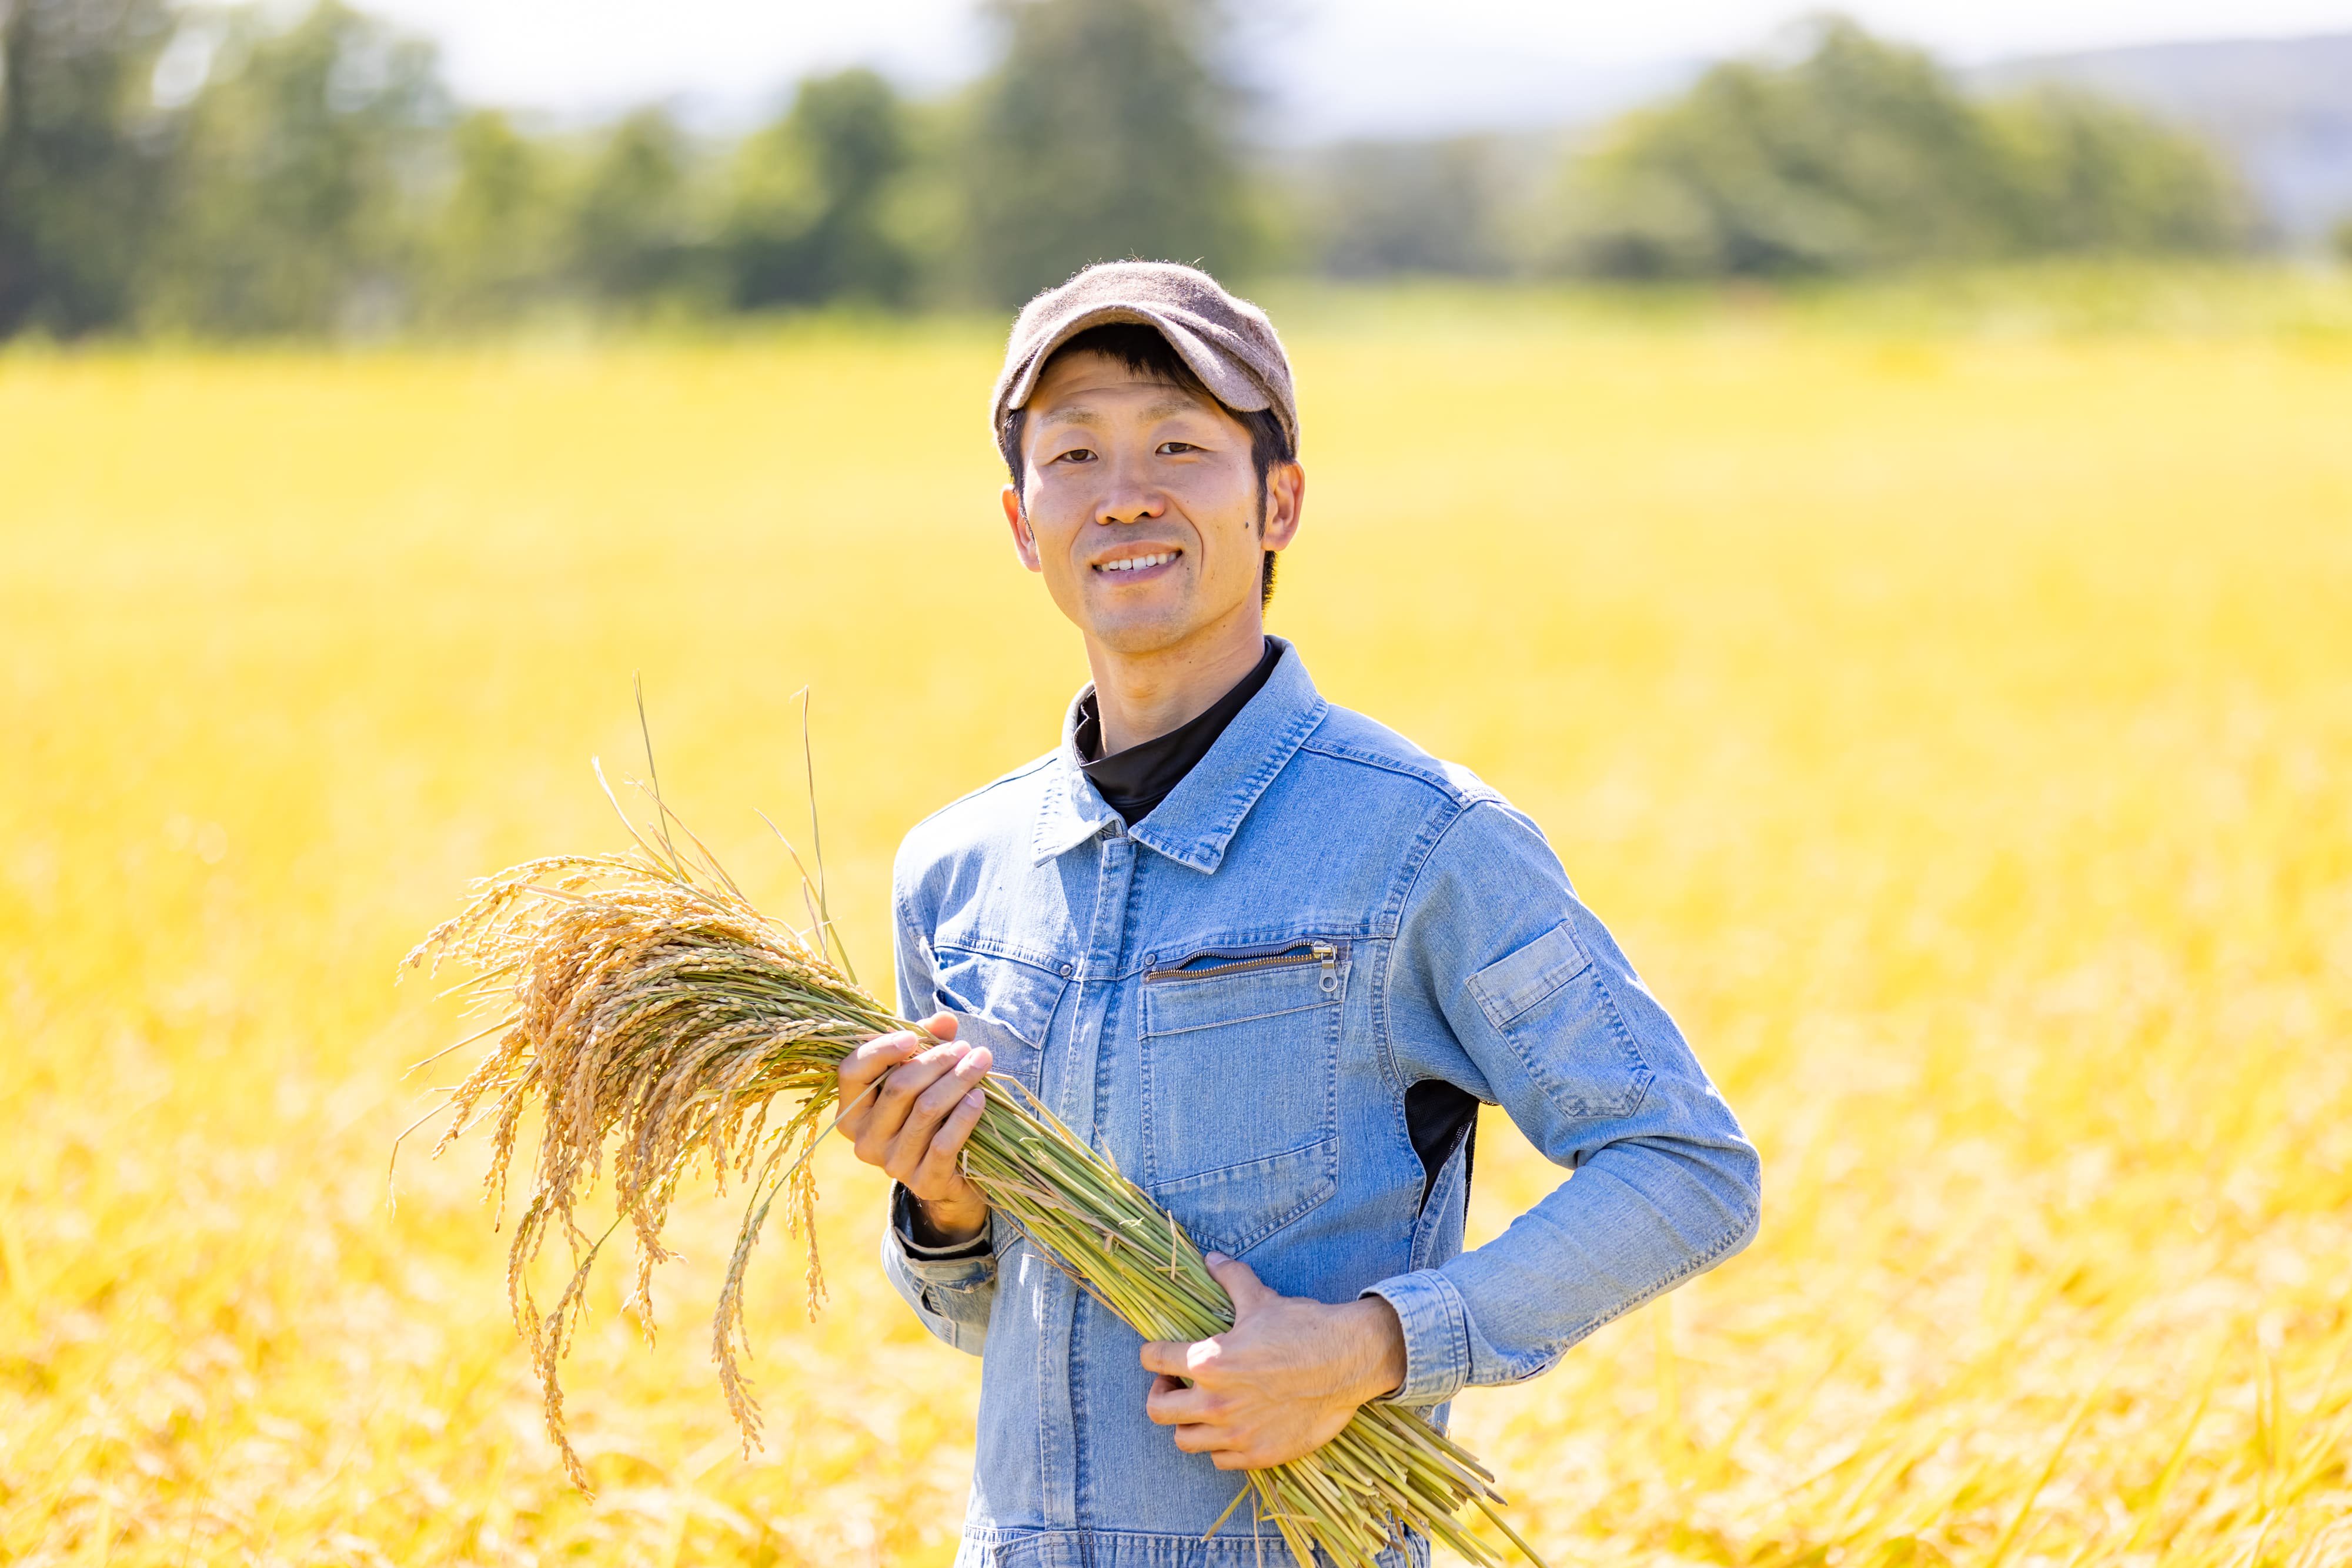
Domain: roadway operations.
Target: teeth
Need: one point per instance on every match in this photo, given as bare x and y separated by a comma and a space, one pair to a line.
1137, 563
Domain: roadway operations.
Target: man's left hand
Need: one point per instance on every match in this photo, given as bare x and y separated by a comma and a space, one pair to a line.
1282, 1381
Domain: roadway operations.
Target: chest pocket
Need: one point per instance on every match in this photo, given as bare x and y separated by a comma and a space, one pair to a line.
1003, 1004
1241, 1079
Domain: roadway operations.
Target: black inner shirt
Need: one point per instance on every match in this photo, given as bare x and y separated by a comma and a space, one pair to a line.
1133, 782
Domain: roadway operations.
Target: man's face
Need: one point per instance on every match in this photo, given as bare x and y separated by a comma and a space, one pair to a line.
1140, 506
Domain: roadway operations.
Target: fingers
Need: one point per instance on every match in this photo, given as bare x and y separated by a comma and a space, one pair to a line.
1210, 1440
1166, 1357
1202, 1418
861, 1067
952, 1073
1173, 1403
1242, 1283
895, 1076
855, 1078
939, 1162
869, 1061
1193, 1411
1193, 1360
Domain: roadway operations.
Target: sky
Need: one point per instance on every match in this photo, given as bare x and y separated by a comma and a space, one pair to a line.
1326, 67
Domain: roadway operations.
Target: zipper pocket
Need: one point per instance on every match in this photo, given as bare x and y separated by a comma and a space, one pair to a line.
1292, 956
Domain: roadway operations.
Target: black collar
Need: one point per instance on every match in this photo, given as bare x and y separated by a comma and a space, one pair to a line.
1137, 780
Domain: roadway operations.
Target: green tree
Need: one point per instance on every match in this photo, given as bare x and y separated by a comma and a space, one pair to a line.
809, 209
1106, 131
305, 162
497, 243
1374, 208
84, 159
635, 236
2090, 174
1862, 154
1859, 154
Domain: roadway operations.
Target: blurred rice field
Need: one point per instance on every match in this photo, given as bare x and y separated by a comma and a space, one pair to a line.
1956, 725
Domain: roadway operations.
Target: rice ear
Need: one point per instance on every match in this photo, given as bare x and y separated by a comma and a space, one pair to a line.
651, 1016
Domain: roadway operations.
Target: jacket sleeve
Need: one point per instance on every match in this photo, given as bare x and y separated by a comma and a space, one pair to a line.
951, 1288
1502, 982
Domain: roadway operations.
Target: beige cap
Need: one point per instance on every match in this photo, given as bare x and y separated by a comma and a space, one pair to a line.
1229, 343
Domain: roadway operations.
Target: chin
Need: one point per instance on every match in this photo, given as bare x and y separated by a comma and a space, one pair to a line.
1142, 631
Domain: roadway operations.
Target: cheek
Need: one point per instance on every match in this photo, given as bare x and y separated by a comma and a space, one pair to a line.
1228, 523
1050, 535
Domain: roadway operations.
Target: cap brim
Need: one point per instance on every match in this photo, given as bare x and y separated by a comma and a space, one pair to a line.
1227, 377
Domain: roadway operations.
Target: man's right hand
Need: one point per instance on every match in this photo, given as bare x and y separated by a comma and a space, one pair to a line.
915, 1124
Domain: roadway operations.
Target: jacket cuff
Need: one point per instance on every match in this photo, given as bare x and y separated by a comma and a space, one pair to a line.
1436, 1335
961, 1264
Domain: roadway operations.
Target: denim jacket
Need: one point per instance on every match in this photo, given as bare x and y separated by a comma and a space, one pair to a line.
1231, 1000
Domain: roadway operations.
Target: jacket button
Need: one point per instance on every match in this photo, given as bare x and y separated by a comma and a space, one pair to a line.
1067, 970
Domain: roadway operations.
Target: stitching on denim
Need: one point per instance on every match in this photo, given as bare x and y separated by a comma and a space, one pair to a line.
1081, 1472
1422, 853
1488, 1003
1044, 1027
1376, 1002
1317, 1006
1425, 1292
1255, 785
1446, 1205
1457, 1317
1751, 1221
908, 926
1145, 1035
998, 1539
982, 945
1322, 1189
1131, 921
1646, 1076
1205, 851
1576, 1105
1435, 777
1325, 1188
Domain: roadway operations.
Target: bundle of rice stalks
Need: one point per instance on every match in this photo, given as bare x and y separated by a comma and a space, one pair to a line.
652, 1017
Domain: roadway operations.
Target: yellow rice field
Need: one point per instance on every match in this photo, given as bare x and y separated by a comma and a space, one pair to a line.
1956, 725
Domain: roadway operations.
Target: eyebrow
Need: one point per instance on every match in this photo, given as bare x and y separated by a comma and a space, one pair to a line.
1159, 408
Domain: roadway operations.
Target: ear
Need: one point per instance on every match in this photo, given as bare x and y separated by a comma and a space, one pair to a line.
1025, 542
1285, 498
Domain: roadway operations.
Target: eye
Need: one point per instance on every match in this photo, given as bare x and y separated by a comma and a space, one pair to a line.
1075, 454
1171, 448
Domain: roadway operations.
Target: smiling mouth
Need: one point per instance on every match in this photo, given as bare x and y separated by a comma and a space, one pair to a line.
1139, 562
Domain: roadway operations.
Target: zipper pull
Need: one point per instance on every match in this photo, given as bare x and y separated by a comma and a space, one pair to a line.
1329, 957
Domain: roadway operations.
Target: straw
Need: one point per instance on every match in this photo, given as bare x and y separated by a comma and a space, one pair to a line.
658, 1023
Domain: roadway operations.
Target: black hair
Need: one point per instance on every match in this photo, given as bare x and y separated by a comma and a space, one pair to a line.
1143, 350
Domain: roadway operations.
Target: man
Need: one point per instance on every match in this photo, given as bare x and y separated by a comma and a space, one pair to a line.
1268, 956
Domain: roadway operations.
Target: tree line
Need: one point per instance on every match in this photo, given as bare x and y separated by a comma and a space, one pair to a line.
227, 171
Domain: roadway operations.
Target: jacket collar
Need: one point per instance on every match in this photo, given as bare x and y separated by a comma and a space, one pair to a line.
1201, 814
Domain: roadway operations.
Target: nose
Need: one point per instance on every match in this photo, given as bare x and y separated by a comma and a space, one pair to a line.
1131, 510
1127, 500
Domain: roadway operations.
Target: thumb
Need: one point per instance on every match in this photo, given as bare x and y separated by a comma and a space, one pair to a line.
1241, 1282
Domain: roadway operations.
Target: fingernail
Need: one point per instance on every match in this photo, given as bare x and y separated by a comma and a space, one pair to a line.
976, 1100
1218, 1258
